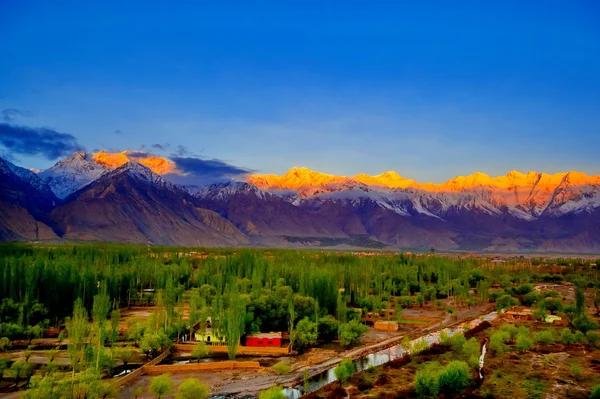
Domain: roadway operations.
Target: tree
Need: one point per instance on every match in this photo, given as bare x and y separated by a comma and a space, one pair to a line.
138, 392
595, 393
351, 332
292, 318
236, 315
272, 393
115, 317
100, 309
192, 388
328, 328
458, 341
3, 366
125, 354
506, 301
566, 336
5, 344
21, 369
305, 334
161, 385
454, 377
344, 370
524, 342
78, 328
200, 351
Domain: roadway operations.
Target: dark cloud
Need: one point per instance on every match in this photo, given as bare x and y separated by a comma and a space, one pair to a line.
117, 131
202, 171
181, 151
38, 141
10, 114
138, 154
159, 147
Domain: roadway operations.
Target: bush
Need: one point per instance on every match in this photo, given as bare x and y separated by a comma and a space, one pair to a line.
427, 380
344, 370
281, 368
552, 304
524, 289
454, 377
544, 337
593, 338
272, 393
524, 342
192, 388
5, 344
161, 385
458, 341
595, 393
532, 298
351, 332
305, 333
497, 341
200, 351
584, 324
328, 328
580, 338
566, 336
445, 338
471, 349
511, 329
506, 301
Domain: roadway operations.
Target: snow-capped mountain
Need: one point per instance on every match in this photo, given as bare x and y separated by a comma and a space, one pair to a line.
71, 174
519, 211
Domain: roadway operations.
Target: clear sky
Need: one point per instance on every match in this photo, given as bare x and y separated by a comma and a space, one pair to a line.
433, 90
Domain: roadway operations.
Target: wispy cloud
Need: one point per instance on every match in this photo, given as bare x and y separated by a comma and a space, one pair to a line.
10, 114
118, 132
37, 141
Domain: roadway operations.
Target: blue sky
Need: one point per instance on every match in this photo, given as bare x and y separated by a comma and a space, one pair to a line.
431, 90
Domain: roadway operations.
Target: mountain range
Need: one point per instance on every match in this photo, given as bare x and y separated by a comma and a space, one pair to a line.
124, 197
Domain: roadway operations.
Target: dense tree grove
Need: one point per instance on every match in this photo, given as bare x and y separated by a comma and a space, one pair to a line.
314, 295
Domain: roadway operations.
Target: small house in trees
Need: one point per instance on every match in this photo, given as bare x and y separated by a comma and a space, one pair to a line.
210, 338
272, 339
519, 313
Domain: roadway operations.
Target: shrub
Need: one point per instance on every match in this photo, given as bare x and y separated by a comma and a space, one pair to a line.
454, 377
593, 338
281, 368
427, 380
511, 329
200, 351
419, 346
351, 332
344, 370
584, 324
552, 304
328, 328
472, 349
595, 393
5, 344
445, 338
566, 336
524, 342
524, 289
544, 337
497, 341
506, 301
532, 298
458, 341
192, 388
580, 338
161, 385
272, 393
305, 333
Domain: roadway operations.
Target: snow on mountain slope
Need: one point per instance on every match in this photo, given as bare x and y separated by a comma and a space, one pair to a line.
28, 176
71, 174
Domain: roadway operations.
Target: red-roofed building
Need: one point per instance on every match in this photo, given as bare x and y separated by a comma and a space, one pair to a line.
264, 339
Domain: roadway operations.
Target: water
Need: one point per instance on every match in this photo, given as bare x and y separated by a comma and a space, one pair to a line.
481, 360
382, 357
